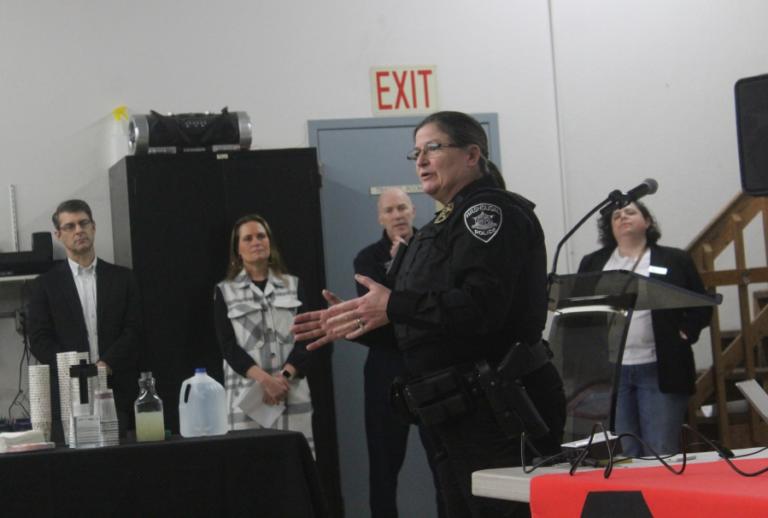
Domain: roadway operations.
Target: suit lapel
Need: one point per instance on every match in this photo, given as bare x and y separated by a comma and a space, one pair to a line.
102, 287
600, 259
69, 290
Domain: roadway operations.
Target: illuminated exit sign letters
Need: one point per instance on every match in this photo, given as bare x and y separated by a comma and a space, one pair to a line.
404, 90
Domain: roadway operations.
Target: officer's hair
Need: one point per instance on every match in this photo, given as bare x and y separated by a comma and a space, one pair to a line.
70, 206
276, 263
496, 175
605, 229
464, 130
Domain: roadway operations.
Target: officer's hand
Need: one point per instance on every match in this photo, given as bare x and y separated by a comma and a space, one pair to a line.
358, 316
312, 324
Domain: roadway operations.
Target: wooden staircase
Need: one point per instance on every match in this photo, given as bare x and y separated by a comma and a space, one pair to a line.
736, 358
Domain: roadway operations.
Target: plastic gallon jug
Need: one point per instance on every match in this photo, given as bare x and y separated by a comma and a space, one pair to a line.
202, 406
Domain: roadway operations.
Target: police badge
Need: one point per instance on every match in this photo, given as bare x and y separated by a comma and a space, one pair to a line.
483, 221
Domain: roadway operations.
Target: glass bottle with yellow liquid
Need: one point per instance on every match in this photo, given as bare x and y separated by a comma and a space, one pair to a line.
148, 410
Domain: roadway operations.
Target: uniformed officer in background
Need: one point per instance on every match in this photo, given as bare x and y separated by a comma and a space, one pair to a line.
468, 308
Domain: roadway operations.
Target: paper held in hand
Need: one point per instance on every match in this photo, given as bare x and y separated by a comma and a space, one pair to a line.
251, 402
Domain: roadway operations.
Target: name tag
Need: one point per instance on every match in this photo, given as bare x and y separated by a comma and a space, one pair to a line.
658, 270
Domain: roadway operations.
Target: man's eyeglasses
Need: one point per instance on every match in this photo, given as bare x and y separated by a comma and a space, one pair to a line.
69, 227
429, 148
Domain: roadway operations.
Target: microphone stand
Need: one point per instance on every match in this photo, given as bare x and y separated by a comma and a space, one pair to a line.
615, 198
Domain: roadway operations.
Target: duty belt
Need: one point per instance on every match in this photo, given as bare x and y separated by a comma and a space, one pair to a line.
438, 397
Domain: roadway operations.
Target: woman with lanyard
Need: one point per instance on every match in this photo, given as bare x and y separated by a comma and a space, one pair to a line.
657, 369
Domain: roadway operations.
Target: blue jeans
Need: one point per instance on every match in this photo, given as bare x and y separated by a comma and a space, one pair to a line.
642, 409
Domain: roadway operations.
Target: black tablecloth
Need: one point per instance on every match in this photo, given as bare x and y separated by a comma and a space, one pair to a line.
260, 473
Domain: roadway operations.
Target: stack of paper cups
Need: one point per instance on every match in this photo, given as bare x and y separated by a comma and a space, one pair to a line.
40, 399
102, 370
104, 407
63, 362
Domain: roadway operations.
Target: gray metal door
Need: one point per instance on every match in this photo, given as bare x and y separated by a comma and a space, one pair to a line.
358, 156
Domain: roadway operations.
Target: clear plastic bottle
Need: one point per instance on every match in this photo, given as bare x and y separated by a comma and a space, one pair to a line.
148, 409
202, 406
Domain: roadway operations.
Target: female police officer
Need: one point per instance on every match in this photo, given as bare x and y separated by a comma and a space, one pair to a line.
469, 288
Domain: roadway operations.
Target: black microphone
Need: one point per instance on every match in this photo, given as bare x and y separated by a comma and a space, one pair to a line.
615, 200
649, 186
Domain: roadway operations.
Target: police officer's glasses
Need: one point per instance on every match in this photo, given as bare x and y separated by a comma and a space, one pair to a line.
69, 227
428, 149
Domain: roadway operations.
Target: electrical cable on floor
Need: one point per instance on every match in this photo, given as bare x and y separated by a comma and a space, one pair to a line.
21, 327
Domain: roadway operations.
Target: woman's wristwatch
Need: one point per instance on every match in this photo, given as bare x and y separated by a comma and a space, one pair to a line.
286, 374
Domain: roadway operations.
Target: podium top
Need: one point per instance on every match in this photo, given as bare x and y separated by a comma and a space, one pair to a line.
622, 289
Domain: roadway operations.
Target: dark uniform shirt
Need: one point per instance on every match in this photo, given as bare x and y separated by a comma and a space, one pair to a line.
470, 286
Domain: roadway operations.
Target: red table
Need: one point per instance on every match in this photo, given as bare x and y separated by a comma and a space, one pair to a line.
704, 489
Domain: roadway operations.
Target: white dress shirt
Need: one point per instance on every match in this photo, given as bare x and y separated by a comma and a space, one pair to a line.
85, 281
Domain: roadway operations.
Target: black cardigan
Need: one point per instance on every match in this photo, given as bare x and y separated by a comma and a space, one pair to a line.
677, 372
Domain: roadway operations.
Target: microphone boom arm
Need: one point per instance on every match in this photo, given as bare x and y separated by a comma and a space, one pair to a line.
613, 198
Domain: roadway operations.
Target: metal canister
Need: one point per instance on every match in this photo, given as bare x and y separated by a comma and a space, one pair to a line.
172, 133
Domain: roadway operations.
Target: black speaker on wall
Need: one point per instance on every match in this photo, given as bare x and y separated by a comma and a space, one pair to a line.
752, 128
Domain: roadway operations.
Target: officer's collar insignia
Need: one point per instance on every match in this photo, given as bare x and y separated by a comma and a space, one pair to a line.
444, 213
483, 221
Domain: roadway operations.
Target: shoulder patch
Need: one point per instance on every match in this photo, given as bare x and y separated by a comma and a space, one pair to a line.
483, 221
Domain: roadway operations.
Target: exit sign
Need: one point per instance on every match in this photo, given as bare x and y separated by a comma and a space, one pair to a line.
404, 90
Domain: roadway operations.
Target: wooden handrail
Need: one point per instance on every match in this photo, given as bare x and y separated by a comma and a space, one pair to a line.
719, 233
726, 229
732, 356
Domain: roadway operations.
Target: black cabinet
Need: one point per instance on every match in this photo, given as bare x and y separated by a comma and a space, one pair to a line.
171, 219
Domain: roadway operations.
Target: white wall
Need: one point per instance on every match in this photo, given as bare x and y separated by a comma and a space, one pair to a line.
644, 89
66, 66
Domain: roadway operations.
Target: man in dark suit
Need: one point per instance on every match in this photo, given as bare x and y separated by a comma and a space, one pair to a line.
89, 305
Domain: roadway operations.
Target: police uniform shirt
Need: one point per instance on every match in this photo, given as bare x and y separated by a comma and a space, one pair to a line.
471, 282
